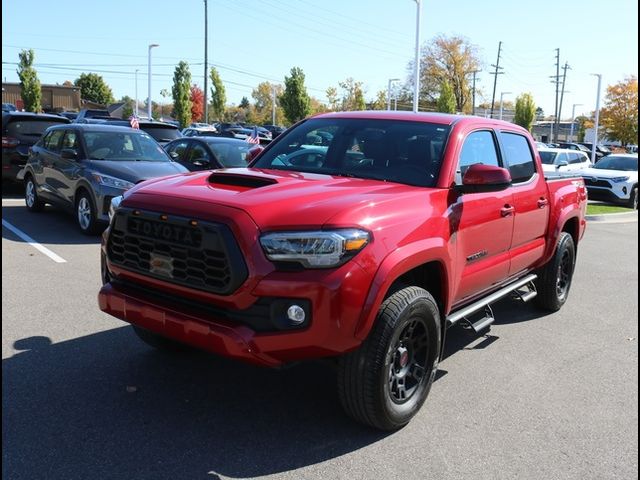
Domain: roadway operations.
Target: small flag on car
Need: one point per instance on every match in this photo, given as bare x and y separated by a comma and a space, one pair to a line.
133, 121
254, 138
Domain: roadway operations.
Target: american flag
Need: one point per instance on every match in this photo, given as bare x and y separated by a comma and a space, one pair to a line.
254, 138
133, 120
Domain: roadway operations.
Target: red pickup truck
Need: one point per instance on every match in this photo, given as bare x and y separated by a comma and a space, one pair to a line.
360, 236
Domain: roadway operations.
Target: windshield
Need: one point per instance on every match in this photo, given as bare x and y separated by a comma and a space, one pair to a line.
388, 150
162, 133
231, 154
612, 162
124, 146
548, 157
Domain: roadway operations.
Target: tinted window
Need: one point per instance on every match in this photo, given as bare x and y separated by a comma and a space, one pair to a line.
31, 127
162, 133
518, 156
403, 152
613, 162
52, 140
198, 155
478, 148
123, 146
576, 158
230, 155
177, 149
548, 157
70, 140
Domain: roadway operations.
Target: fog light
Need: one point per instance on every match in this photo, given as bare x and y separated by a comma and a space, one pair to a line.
296, 314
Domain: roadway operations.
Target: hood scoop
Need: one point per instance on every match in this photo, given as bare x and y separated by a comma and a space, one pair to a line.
242, 181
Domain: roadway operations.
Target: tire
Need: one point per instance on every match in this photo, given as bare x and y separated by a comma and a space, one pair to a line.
86, 214
554, 280
158, 341
633, 198
384, 383
31, 199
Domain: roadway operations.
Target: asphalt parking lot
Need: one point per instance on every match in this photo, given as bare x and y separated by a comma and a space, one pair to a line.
538, 397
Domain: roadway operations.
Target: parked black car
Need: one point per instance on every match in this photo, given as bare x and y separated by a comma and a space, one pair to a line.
21, 130
205, 153
81, 167
579, 147
601, 150
275, 130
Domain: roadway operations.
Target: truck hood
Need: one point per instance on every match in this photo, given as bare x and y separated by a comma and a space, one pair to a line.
134, 172
281, 200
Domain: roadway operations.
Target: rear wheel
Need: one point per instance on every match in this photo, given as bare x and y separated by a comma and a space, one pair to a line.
384, 383
34, 204
554, 281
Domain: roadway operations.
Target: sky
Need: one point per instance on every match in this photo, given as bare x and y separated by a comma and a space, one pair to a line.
372, 41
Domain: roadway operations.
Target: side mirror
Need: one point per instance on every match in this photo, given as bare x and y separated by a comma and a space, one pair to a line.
69, 153
174, 155
253, 153
485, 178
200, 162
562, 163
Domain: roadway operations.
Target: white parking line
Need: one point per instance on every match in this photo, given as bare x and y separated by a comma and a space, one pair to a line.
9, 201
33, 243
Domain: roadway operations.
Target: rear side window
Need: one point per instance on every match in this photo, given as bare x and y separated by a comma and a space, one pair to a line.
162, 133
478, 148
575, 158
518, 156
30, 128
52, 140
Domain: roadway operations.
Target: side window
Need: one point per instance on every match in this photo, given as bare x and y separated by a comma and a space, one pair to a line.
562, 157
575, 158
52, 142
479, 147
178, 149
199, 155
70, 140
518, 156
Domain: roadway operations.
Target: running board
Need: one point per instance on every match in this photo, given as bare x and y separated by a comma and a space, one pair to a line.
487, 320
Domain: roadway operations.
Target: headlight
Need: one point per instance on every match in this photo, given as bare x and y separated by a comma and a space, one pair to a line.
619, 179
320, 249
114, 182
115, 203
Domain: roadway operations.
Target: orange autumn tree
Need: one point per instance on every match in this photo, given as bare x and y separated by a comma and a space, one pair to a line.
197, 103
620, 112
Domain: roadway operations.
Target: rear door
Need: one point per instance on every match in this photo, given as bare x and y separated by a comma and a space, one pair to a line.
68, 171
484, 221
48, 155
530, 199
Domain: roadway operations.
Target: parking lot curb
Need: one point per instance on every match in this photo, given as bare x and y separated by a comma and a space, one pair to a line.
626, 217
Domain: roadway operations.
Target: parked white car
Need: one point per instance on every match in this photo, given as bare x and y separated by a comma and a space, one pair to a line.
614, 178
563, 160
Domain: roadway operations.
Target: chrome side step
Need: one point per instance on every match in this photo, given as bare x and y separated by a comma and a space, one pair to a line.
517, 287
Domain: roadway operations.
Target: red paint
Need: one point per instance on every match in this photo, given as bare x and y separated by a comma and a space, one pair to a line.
506, 233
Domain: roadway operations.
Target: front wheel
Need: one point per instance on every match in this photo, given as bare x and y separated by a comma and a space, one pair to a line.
86, 214
384, 383
554, 281
633, 198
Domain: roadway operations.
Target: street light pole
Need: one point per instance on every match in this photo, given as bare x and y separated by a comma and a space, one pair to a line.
597, 119
206, 109
416, 67
573, 119
149, 73
137, 70
502, 94
391, 80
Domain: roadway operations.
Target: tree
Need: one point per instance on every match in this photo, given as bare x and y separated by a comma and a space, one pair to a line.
244, 103
620, 112
446, 101
332, 97
449, 59
352, 95
129, 106
165, 93
380, 102
295, 100
197, 103
181, 91
218, 94
94, 88
263, 96
317, 106
525, 111
539, 113
30, 89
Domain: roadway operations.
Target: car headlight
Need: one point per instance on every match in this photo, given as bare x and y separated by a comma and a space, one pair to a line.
115, 203
619, 179
114, 182
319, 249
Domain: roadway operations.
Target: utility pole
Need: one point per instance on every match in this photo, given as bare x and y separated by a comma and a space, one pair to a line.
416, 67
495, 78
473, 93
564, 78
556, 80
206, 109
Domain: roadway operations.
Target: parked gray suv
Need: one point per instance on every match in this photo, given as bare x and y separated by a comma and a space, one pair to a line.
81, 167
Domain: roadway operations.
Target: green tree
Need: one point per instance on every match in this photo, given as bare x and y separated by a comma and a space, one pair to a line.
244, 103
352, 95
332, 97
525, 111
218, 94
30, 89
380, 102
94, 88
263, 96
449, 59
620, 112
295, 100
181, 92
446, 101
129, 106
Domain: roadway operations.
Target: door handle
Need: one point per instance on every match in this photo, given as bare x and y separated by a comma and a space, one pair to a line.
543, 202
507, 210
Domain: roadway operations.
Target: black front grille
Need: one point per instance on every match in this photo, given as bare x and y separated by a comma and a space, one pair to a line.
594, 182
200, 255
